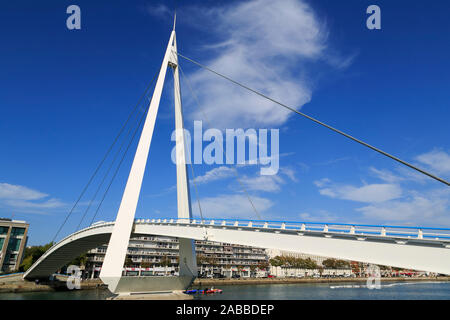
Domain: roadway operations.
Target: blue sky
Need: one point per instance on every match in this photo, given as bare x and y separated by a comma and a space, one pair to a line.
64, 95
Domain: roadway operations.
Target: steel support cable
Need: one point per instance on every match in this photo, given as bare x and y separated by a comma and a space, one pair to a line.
102, 161
190, 162
116, 154
209, 123
120, 163
319, 122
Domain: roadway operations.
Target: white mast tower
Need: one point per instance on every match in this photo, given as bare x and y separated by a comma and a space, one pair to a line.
111, 273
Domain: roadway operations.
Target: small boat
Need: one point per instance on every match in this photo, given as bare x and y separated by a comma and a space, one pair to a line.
216, 290
212, 290
191, 291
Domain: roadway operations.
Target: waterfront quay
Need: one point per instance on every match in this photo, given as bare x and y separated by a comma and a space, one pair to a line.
254, 281
15, 283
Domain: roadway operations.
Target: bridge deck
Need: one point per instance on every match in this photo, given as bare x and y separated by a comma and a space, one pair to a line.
417, 248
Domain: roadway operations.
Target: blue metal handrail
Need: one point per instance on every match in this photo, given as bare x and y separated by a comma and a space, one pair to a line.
304, 222
325, 227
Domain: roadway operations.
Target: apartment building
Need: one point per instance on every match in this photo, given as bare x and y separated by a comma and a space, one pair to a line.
158, 255
13, 239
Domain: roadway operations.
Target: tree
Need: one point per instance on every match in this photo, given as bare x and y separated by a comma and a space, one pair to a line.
321, 271
252, 270
128, 262
32, 254
276, 262
165, 262
310, 264
329, 263
263, 265
79, 261
341, 264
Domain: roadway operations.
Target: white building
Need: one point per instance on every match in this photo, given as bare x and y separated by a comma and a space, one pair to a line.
158, 255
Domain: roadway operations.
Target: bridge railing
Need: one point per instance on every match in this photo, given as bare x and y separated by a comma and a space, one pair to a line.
323, 227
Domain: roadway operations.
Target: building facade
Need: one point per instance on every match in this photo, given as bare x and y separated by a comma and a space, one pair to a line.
158, 255
320, 271
13, 239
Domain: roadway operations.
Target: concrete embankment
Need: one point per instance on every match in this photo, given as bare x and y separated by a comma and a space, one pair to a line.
175, 295
253, 281
15, 283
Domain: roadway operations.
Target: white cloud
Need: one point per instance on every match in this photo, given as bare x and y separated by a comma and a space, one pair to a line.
386, 175
159, 10
47, 204
390, 203
24, 199
263, 41
269, 183
10, 191
429, 208
215, 174
321, 216
263, 183
290, 173
322, 182
437, 160
333, 161
370, 193
232, 206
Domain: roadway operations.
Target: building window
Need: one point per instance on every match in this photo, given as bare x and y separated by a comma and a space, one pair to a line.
14, 244
17, 231
4, 230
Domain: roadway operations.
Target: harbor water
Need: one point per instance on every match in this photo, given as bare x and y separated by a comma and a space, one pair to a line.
305, 291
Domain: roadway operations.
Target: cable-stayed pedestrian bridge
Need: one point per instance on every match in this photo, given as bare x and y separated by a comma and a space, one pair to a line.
408, 247
426, 249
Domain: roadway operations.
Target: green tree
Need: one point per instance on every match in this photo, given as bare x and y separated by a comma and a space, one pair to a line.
32, 254
165, 262
320, 270
263, 265
341, 264
276, 262
79, 261
310, 264
329, 263
128, 262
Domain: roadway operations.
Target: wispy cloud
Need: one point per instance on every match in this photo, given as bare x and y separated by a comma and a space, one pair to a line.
269, 183
263, 183
332, 161
428, 208
321, 216
232, 206
261, 42
397, 200
437, 160
215, 174
159, 10
10, 191
386, 175
26, 200
370, 193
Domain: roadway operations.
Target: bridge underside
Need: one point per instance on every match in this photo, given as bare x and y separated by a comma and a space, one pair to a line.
63, 255
417, 254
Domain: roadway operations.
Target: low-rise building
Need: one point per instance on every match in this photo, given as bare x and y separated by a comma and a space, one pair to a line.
13, 239
319, 271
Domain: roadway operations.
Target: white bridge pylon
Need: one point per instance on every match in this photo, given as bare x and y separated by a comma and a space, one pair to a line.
111, 273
